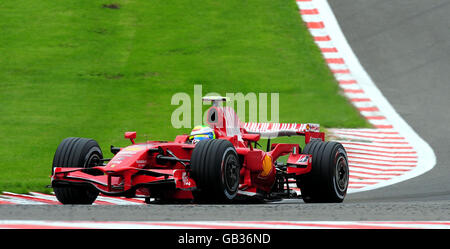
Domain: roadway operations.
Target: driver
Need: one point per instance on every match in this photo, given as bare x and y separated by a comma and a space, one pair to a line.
201, 132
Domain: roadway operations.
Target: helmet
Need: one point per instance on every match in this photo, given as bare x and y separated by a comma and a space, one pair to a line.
201, 132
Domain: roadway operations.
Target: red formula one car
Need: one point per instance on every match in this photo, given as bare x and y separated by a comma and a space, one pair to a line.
223, 169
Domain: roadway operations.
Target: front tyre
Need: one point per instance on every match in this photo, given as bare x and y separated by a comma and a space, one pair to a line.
329, 176
75, 152
215, 167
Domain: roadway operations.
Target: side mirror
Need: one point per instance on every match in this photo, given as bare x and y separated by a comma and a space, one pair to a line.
130, 135
251, 137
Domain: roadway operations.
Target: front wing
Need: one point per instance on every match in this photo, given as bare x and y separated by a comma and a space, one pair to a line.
124, 182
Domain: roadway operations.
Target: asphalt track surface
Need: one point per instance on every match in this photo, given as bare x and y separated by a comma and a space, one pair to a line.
405, 48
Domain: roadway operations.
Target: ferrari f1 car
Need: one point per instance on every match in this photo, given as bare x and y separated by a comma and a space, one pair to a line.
220, 170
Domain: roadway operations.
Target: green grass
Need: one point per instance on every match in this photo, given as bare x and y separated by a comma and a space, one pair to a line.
76, 68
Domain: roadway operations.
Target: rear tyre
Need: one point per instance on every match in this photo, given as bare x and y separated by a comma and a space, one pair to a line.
74, 152
328, 180
215, 168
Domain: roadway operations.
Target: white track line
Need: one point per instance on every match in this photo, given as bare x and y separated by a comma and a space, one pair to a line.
393, 149
43, 224
393, 139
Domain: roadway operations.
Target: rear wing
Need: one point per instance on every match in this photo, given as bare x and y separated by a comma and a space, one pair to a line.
273, 130
225, 122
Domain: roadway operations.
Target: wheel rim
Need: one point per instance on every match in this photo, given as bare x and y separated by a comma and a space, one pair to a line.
342, 173
231, 173
92, 161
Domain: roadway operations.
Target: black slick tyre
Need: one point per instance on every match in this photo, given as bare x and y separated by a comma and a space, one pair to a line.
215, 168
77, 153
327, 182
